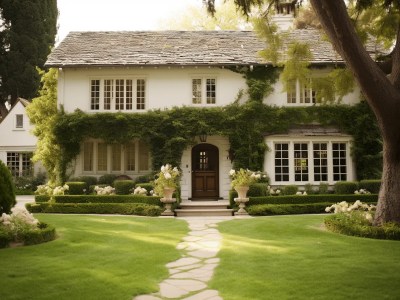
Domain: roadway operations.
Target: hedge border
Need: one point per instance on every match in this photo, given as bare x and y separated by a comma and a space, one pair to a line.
287, 209
45, 234
100, 199
140, 209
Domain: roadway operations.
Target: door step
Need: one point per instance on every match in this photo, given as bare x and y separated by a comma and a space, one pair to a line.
203, 208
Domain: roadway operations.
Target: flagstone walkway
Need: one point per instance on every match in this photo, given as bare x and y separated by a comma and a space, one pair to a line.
189, 275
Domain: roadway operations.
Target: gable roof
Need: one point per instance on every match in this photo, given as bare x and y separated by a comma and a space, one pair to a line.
24, 103
160, 48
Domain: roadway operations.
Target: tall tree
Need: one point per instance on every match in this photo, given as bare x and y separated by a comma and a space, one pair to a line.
380, 82
27, 34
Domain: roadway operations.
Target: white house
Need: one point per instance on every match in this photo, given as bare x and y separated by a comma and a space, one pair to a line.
17, 143
134, 72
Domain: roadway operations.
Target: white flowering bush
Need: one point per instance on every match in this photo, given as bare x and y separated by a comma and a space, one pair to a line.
107, 190
357, 210
18, 223
361, 192
244, 177
140, 191
47, 189
301, 193
275, 192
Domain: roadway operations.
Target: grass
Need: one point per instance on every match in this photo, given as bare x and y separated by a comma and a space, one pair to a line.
95, 257
292, 257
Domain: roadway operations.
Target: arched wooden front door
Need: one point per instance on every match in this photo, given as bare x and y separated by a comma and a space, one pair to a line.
205, 171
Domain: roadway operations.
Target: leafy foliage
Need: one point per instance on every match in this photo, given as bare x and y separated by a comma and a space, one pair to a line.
7, 190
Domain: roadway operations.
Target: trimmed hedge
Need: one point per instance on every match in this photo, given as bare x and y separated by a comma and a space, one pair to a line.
372, 185
124, 187
290, 189
342, 224
89, 180
286, 209
107, 179
76, 187
96, 208
45, 233
295, 199
346, 187
101, 199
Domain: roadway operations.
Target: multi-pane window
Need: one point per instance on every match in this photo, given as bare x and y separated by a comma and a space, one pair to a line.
108, 93
116, 157
118, 94
204, 91
196, 91
102, 159
95, 94
19, 163
301, 93
339, 161
210, 91
143, 156
140, 94
320, 156
282, 162
88, 156
130, 153
19, 121
310, 161
300, 162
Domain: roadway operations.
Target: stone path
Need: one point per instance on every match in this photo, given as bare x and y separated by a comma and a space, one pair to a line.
189, 275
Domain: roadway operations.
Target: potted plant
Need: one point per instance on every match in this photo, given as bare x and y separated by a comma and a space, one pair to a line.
166, 183
242, 179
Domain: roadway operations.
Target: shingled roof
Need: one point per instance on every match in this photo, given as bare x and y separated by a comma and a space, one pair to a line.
160, 48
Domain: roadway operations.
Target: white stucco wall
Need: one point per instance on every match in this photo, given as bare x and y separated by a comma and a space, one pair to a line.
165, 87
225, 166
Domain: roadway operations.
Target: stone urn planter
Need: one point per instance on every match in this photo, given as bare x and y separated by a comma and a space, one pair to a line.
241, 200
168, 201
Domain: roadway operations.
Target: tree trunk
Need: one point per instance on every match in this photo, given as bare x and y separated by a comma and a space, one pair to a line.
388, 209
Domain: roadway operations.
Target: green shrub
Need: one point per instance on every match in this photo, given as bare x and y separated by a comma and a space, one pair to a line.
345, 187
323, 188
76, 188
144, 178
286, 209
89, 180
5, 238
45, 233
290, 189
372, 185
124, 187
344, 224
330, 198
7, 190
146, 185
97, 208
255, 190
26, 185
107, 179
310, 189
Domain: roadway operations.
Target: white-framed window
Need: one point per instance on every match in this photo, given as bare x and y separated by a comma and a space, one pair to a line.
301, 161
19, 163
101, 158
19, 121
204, 90
118, 94
300, 94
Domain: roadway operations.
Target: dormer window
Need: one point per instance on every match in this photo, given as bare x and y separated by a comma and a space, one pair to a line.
204, 90
301, 93
19, 121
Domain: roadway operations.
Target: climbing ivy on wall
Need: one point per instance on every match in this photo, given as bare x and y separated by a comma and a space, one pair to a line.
169, 132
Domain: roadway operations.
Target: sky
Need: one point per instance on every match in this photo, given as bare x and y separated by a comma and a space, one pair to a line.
103, 15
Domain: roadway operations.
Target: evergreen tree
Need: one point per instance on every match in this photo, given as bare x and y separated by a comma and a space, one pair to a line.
27, 34
7, 190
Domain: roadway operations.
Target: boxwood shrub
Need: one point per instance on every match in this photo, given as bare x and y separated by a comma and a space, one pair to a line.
89, 180
286, 209
372, 185
346, 187
107, 179
124, 187
45, 233
295, 199
76, 187
140, 209
290, 189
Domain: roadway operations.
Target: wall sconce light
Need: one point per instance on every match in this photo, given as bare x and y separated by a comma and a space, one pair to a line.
203, 137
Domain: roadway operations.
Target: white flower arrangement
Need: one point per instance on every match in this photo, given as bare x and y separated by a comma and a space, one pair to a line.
108, 190
167, 177
244, 177
140, 191
346, 208
47, 189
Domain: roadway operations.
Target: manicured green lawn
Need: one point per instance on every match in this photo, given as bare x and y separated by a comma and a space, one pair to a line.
95, 257
291, 257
